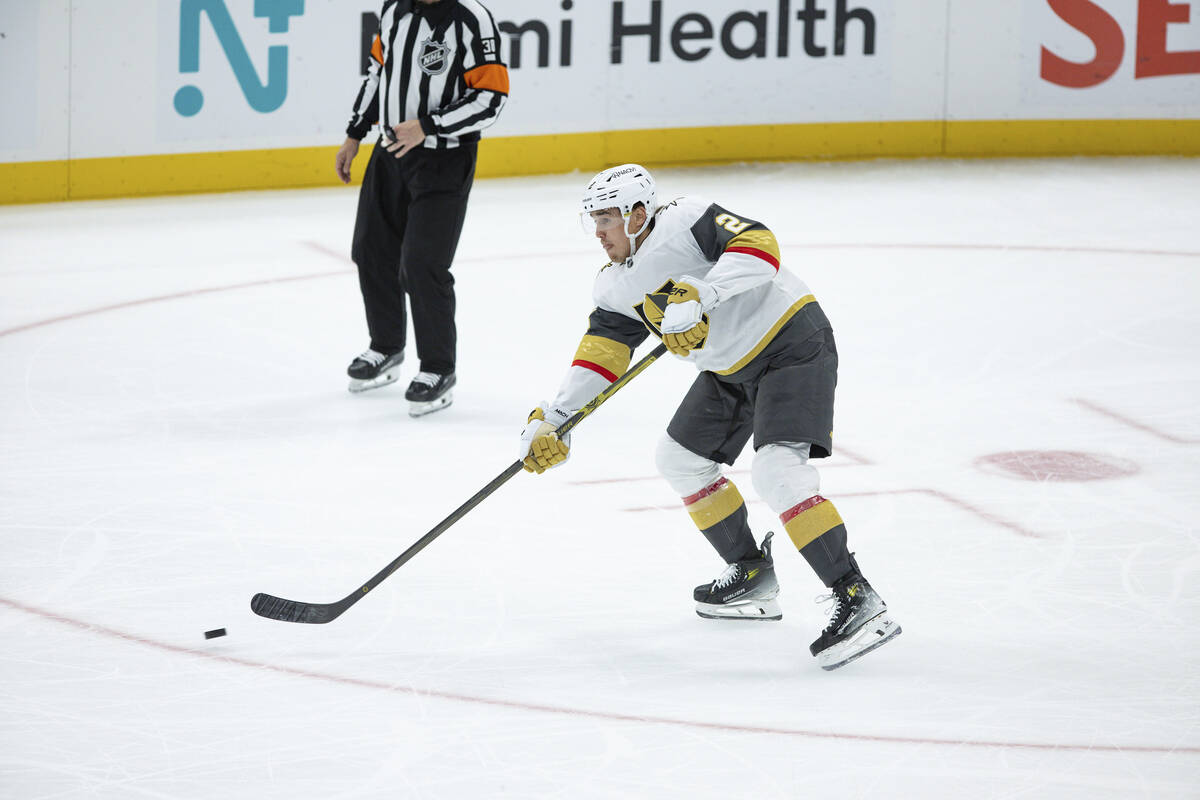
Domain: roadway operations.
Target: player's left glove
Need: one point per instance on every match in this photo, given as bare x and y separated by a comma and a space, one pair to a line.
684, 326
541, 448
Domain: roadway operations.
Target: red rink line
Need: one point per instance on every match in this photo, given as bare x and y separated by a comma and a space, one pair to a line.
362, 683
1020, 248
940, 495
343, 257
1032, 248
1024, 248
1141, 426
858, 461
659, 478
164, 297
979, 512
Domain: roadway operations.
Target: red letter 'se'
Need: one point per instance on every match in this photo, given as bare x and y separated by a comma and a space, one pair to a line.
1105, 33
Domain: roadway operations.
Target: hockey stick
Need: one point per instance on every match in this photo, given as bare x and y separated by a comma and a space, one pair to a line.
272, 607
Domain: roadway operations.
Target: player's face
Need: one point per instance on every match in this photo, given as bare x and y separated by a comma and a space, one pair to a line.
611, 229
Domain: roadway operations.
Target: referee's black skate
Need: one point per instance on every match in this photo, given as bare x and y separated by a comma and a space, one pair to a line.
372, 369
859, 623
745, 590
429, 392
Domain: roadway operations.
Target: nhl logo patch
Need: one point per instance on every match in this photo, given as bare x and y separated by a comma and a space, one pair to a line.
434, 57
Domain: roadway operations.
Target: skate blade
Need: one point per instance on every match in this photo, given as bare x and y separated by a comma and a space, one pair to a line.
421, 409
383, 379
754, 610
876, 633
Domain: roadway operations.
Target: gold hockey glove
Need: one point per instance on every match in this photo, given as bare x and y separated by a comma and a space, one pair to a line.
541, 448
683, 343
684, 325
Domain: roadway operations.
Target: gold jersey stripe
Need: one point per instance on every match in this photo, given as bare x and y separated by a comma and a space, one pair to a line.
808, 526
715, 506
766, 340
607, 353
758, 240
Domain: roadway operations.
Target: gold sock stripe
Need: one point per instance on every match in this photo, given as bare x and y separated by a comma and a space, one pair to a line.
807, 521
713, 504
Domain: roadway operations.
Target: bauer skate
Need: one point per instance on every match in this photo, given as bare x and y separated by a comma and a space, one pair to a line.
858, 624
745, 590
428, 393
372, 369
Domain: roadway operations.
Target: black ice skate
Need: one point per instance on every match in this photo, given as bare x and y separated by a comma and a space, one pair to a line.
372, 369
428, 393
745, 590
859, 623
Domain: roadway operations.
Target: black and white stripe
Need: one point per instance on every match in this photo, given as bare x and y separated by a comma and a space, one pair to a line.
454, 36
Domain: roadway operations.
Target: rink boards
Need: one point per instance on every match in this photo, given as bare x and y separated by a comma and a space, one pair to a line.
114, 99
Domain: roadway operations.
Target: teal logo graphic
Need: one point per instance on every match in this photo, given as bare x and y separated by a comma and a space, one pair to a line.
262, 97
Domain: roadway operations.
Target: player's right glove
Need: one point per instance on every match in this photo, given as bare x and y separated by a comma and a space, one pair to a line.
541, 449
684, 323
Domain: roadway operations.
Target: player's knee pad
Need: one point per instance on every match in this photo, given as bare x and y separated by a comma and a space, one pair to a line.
687, 472
782, 475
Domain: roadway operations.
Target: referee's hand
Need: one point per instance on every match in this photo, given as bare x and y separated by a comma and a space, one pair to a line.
408, 134
345, 156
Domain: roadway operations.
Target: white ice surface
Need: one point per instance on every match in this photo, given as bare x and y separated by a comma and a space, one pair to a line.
176, 436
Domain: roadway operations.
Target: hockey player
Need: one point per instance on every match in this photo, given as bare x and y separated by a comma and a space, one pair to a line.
710, 284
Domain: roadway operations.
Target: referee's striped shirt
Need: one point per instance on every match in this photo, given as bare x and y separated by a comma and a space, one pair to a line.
439, 63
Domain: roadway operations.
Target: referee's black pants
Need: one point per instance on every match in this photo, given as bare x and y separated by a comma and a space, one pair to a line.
410, 215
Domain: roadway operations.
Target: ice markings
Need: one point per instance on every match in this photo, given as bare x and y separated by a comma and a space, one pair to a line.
1056, 465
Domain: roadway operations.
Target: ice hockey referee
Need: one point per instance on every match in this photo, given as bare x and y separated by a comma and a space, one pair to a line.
435, 81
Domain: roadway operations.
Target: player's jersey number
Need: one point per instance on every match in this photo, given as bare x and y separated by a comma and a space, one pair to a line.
731, 223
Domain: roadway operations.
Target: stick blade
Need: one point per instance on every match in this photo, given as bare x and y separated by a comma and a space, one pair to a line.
272, 607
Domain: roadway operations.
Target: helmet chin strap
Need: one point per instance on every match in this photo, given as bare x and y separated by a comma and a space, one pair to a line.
632, 237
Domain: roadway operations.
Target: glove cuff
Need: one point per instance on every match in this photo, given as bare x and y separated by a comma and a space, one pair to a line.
551, 416
708, 295
556, 416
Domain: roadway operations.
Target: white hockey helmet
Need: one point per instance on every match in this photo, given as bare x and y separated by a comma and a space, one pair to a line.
622, 188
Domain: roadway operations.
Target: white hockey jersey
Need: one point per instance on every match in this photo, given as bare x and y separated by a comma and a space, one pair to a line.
696, 242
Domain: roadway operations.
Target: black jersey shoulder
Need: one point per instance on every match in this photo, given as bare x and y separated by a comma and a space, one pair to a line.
718, 226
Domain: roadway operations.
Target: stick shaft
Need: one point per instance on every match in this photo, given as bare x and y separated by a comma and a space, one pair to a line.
277, 608
612, 389
512, 470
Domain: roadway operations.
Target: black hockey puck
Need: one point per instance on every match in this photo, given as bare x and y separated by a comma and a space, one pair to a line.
214, 634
